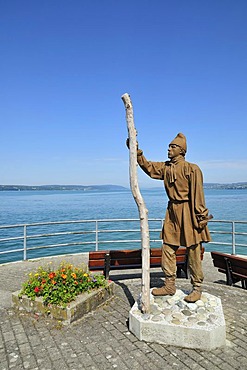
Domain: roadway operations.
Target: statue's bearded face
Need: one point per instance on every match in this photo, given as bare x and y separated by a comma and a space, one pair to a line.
174, 150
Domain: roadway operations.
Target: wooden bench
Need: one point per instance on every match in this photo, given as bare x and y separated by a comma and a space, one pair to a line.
132, 259
234, 267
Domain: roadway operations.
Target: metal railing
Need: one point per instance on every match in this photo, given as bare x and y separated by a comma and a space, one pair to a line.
23, 241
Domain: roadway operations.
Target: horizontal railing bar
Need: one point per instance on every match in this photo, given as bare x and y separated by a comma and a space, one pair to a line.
58, 245
75, 222
102, 242
48, 223
228, 221
35, 236
120, 241
86, 232
86, 243
221, 232
12, 238
104, 220
221, 243
11, 251
125, 231
11, 226
104, 232
118, 231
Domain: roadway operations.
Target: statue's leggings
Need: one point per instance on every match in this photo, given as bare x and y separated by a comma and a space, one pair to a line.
169, 267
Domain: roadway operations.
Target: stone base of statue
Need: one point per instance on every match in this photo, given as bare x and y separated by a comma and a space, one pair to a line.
173, 321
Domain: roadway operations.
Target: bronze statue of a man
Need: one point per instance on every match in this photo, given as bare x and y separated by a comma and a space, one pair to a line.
186, 216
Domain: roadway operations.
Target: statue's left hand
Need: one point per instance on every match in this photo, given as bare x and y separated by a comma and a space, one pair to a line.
203, 223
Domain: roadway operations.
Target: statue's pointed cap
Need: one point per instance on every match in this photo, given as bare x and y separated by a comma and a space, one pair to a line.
180, 140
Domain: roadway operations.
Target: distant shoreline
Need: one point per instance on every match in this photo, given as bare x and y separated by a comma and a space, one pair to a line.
62, 187
237, 185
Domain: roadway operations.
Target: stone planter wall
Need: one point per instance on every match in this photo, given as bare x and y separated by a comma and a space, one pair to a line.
83, 304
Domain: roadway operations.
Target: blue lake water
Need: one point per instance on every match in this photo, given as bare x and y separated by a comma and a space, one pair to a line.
45, 206
37, 206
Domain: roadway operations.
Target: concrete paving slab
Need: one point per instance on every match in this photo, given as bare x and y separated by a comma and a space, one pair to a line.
102, 339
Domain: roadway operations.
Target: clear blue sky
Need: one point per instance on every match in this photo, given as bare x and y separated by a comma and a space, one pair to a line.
64, 66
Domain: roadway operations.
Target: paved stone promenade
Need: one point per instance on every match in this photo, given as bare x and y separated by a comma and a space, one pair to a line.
101, 339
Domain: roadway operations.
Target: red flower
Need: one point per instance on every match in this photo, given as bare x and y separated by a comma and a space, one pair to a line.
52, 275
36, 289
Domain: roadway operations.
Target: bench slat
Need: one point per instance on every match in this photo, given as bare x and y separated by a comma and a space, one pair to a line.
125, 253
96, 255
126, 261
96, 263
155, 260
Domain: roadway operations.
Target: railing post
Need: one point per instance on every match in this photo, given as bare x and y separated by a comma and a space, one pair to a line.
96, 236
25, 243
233, 238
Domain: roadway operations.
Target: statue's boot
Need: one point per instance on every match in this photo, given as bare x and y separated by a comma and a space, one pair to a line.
194, 296
169, 288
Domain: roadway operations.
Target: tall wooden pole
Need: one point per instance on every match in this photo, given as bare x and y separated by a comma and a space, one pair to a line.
143, 212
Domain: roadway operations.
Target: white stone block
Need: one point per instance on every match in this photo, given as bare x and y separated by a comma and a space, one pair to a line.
183, 325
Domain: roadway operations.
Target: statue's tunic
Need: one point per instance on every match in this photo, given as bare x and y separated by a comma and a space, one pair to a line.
186, 216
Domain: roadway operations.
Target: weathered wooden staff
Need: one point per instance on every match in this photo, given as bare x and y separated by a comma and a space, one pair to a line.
143, 212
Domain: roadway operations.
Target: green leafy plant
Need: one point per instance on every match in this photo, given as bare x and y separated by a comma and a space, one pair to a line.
60, 286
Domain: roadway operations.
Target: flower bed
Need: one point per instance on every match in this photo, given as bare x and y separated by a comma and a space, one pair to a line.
66, 293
